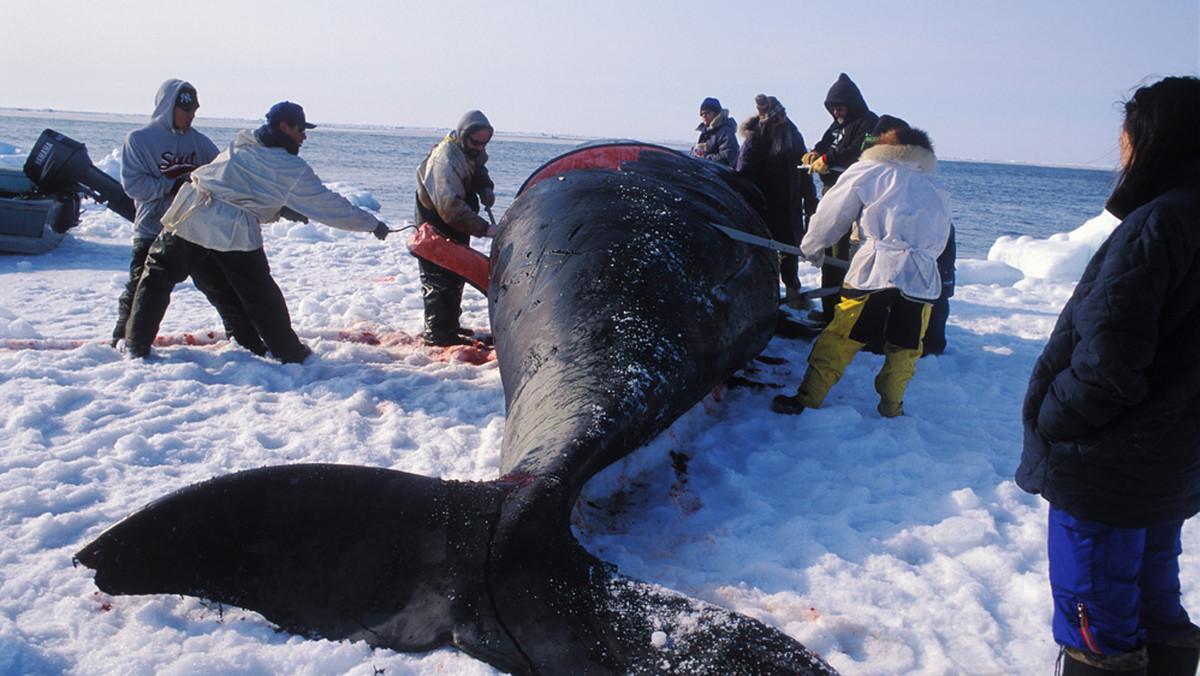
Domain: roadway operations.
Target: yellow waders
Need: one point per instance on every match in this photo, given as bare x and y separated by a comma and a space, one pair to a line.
835, 349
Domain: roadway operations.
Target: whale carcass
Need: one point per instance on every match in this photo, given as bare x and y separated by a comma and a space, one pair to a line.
615, 307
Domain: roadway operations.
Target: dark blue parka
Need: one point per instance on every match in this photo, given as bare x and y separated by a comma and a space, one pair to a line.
718, 141
1112, 413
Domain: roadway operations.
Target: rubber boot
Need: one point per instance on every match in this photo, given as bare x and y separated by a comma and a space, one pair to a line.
441, 291
1172, 660
1078, 663
782, 403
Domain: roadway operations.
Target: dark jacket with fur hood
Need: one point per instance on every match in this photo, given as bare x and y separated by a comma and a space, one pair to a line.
770, 158
1112, 413
718, 140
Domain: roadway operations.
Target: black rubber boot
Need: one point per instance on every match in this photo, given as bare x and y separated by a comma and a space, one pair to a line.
136, 350
782, 403
441, 292
296, 356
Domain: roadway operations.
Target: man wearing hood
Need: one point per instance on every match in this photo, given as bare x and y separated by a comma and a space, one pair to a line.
452, 184
902, 219
718, 134
216, 220
155, 161
839, 148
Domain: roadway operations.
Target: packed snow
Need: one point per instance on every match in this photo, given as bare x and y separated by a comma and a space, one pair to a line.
889, 546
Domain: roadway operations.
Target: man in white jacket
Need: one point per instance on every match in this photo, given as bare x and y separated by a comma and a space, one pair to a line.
902, 221
216, 219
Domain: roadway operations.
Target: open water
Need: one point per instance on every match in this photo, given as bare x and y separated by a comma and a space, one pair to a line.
989, 200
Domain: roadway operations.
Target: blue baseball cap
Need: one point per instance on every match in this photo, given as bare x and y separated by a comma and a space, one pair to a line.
286, 111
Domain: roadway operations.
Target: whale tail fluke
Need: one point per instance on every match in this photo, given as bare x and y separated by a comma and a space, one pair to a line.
412, 563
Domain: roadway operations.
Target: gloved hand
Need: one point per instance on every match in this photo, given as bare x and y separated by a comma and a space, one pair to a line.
487, 197
818, 166
817, 259
491, 231
179, 183
809, 157
381, 231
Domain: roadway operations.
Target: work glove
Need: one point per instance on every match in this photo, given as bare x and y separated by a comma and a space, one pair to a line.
817, 259
381, 231
809, 158
179, 183
487, 197
491, 231
818, 166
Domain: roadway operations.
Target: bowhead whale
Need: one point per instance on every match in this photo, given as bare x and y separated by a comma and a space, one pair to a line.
615, 307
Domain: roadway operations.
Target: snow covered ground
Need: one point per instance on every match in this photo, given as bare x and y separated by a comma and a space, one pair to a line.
890, 546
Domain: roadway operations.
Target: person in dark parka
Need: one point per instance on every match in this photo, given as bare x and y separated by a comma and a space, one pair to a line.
840, 146
718, 134
770, 159
1112, 413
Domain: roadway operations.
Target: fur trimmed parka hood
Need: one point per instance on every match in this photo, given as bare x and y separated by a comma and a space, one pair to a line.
910, 146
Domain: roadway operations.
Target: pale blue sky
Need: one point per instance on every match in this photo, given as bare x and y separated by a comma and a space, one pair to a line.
1016, 80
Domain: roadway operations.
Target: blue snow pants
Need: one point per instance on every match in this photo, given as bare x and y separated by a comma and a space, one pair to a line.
1114, 588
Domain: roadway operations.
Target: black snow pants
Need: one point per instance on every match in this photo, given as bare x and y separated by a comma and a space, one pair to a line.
237, 283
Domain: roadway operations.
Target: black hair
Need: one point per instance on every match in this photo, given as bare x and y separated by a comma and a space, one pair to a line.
1162, 123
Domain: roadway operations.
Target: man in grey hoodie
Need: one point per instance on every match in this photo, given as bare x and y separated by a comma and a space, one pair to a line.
155, 161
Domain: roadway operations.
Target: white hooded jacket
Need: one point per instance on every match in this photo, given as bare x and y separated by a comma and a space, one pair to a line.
903, 219
247, 185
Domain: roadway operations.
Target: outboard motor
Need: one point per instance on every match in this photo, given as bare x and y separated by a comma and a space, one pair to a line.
59, 164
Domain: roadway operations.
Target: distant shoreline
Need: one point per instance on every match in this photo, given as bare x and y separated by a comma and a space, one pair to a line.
236, 123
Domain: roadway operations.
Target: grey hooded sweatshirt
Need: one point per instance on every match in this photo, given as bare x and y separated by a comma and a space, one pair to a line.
156, 156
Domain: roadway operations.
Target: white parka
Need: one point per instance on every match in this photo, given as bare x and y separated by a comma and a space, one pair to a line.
903, 220
247, 185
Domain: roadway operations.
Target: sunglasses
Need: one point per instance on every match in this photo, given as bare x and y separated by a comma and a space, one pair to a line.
471, 140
